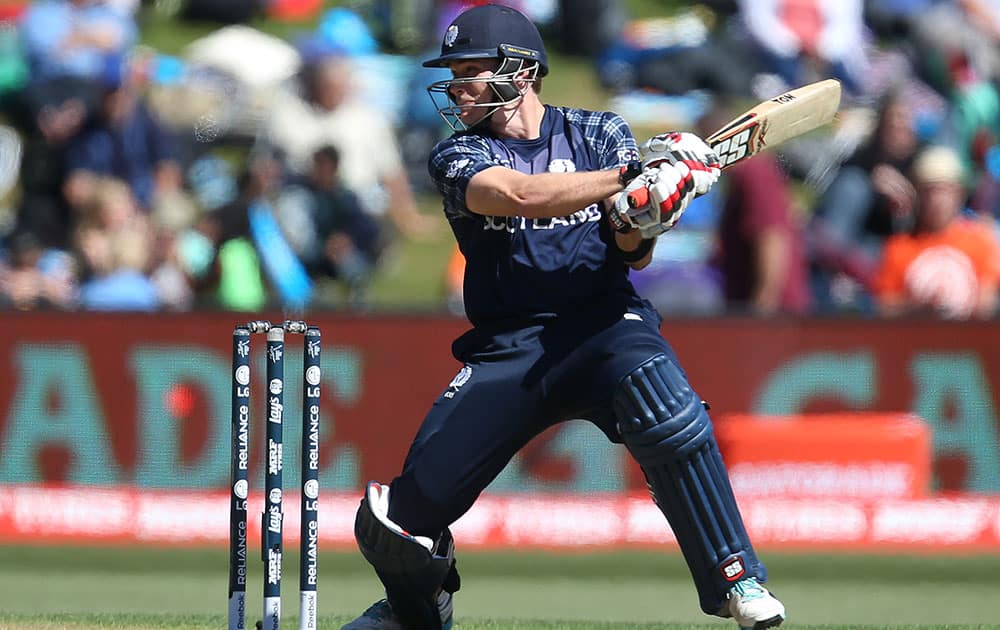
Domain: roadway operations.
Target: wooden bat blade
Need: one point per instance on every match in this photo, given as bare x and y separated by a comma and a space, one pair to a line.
768, 124
776, 120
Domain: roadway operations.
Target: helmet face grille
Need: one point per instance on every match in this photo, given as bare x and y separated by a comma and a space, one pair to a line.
501, 82
491, 31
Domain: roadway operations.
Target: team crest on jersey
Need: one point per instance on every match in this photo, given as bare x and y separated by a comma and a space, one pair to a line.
460, 379
455, 167
450, 35
562, 165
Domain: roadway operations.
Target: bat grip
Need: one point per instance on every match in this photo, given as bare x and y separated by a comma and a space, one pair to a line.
638, 197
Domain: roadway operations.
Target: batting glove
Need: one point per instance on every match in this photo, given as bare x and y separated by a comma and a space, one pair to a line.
683, 148
655, 201
621, 215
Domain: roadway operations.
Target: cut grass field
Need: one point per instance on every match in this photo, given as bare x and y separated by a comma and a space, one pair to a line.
78, 588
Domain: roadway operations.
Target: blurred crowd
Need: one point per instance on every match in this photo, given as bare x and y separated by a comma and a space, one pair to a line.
249, 172
892, 211
253, 171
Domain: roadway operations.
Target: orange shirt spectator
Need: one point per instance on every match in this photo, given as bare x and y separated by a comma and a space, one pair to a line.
947, 264
953, 271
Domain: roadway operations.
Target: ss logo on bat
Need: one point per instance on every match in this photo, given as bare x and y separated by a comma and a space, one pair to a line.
733, 149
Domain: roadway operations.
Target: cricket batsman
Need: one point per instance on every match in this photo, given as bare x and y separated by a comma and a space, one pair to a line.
538, 199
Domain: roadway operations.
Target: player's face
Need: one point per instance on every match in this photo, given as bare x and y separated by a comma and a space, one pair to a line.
470, 95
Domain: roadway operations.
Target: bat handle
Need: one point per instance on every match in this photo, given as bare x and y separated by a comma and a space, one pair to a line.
638, 197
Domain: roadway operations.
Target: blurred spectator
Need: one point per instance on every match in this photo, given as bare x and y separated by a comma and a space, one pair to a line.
869, 199
169, 272
115, 242
68, 45
761, 254
985, 199
973, 125
13, 65
117, 263
953, 47
34, 277
41, 210
802, 40
324, 112
937, 30
693, 49
126, 141
220, 254
111, 205
946, 264
325, 224
285, 272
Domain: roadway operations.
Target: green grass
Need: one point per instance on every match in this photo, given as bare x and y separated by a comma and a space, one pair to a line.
42, 588
161, 29
411, 277
148, 622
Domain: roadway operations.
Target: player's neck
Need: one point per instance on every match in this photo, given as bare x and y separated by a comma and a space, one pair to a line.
522, 123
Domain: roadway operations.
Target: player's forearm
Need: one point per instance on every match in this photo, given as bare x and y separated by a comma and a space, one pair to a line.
504, 192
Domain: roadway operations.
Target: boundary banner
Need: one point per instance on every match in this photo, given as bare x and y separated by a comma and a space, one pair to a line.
558, 522
121, 399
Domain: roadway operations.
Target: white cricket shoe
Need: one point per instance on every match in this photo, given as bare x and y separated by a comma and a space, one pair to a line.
753, 606
379, 616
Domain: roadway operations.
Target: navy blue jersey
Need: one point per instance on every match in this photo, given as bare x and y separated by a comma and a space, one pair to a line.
521, 269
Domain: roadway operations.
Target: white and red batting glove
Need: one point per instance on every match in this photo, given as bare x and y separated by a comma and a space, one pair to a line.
683, 148
654, 201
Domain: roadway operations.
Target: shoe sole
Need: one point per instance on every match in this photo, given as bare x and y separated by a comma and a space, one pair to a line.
773, 622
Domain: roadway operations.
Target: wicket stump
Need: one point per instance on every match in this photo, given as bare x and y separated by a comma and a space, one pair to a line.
273, 516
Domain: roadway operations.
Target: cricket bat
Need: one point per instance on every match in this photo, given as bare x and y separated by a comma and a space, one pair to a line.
768, 124
781, 118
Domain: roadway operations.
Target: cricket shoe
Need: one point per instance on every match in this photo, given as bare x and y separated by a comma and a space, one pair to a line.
753, 606
379, 616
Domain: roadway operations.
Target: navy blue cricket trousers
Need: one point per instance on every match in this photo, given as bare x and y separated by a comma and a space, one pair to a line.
514, 385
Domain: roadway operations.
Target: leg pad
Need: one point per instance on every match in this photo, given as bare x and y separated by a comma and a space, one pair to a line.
667, 429
413, 569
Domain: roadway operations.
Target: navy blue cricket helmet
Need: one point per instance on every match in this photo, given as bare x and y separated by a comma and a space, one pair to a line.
489, 31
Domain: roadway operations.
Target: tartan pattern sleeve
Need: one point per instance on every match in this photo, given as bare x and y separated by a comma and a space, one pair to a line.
452, 163
608, 133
